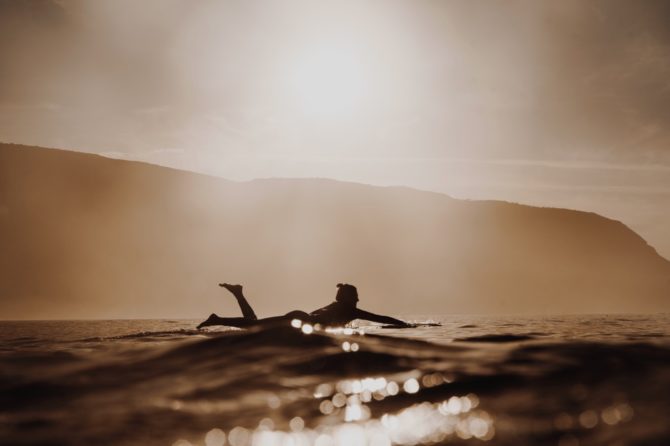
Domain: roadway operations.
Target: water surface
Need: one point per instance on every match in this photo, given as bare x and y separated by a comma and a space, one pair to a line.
516, 380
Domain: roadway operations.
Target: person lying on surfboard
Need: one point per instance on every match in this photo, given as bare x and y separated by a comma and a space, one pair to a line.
340, 312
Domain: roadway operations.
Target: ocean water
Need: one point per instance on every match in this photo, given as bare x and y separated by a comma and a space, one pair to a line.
516, 380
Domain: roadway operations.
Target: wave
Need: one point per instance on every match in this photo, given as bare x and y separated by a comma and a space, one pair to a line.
147, 335
497, 338
281, 384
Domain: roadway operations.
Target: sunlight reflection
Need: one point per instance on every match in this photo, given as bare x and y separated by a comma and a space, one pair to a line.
215, 437
323, 390
266, 424
433, 379
392, 388
617, 413
348, 417
350, 421
417, 424
350, 346
411, 386
308, 328
296, 424
296, 323
326, 407
339, 400
589, 419
347, 331
273, 401
239, 436
346, 400
356, 412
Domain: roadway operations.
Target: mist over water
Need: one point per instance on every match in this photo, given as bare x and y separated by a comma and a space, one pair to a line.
564, 380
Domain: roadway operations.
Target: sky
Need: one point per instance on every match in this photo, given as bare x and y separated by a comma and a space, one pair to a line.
548, 103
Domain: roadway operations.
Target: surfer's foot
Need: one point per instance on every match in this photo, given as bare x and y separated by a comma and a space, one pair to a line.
211, 320
236, 290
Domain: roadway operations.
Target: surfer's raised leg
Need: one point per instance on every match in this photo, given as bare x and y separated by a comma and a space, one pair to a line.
236, 290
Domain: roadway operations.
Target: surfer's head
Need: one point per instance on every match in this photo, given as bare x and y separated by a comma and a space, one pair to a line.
347, 294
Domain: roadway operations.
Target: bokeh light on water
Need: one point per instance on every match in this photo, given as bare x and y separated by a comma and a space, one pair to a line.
423, 423
347, 419
215, 437
310, 385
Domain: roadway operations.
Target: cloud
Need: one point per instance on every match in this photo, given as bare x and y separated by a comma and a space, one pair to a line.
512, 162
560, 164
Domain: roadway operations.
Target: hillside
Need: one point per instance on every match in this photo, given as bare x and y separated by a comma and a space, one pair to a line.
109, 238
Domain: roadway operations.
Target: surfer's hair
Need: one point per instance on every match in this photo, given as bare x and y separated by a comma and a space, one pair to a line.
346, 293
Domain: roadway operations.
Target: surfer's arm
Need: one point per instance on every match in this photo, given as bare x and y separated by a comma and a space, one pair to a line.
366, 315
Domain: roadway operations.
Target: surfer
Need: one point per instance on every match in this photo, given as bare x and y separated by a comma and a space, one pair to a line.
340, 312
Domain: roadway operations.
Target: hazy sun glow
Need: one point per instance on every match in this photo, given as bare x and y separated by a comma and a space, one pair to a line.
328, 81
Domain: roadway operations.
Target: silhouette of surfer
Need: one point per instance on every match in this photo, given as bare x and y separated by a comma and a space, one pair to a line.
340, 312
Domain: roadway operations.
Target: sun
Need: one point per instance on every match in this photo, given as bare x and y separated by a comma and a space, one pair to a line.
328, 81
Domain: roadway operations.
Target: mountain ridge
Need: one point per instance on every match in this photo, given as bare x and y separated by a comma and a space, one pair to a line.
326, 179
126, 238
